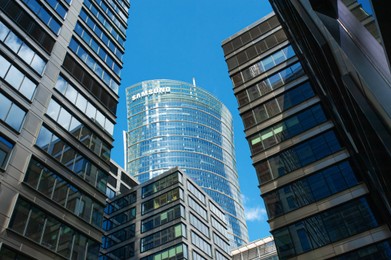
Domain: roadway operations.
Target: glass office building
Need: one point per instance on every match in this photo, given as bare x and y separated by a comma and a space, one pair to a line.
60, 66
167, 217
172, 123
319, 147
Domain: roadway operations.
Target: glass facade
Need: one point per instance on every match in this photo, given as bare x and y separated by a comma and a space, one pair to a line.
60, 70
172, 123
316, 156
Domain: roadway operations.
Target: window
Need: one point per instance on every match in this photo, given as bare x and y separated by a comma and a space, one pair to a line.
59, 190
162, 200
332, 225
199, 225
11, 113
173, 253
77, 163
298, 156
277, 105
91, 62
288, 128
196, 192
81, 132
161, 184
33, 29
162, 237
43, 14
198, 208
125, 233
201, 244
122, 218
220, 214
221, 243
124, 252
121, 203
20, 48
60, 9
88, 82
162, 218
264, 65
34, 223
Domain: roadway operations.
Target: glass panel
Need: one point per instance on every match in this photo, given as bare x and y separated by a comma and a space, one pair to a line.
50, 234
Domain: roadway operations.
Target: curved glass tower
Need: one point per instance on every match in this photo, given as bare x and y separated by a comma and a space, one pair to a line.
173, 123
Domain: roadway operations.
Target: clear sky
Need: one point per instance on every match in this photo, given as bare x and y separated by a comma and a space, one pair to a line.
179, 40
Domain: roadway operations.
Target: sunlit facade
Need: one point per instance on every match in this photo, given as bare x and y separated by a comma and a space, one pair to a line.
172, 123
60, 68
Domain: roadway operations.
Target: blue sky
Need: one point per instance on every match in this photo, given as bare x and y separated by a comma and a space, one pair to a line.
181, 39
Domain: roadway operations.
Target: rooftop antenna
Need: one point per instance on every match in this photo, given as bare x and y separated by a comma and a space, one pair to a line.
194, 82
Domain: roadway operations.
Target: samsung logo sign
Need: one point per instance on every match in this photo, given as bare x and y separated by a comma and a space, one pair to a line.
151, 92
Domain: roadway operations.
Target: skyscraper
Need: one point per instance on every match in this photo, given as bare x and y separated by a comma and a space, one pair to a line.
60, 65
172, 123
319, 141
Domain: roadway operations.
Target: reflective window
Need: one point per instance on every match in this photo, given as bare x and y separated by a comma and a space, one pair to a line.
196, 192
197, 256
161, 200
298, 156
381, 250
5, 150
251, 35
256, 49
270, 83
324, 228
173, 253
81, 132
20, 48
72, 159
220, 256
314, 188
17, 79
51, 185
217, 211
221, 243
97, 29
121, 203
162, 237
201, 243
32, 222
277, 105
11, 113
161, 184
72, 94
113, 46
57, 6
98, 49
264, 65
120, 25
120, 218
219, 227
125, 233
110, 193
288, 128
43, 14
199, 225
34, 30
198, 208
162, 218
93, 65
